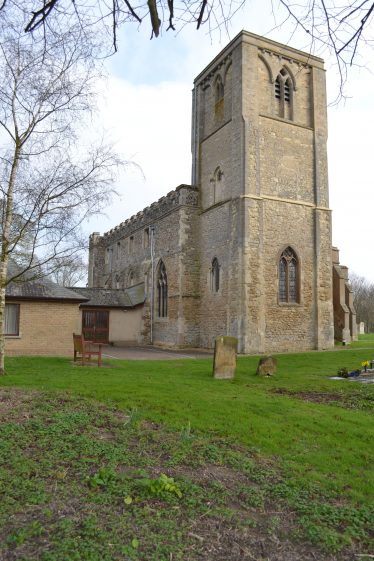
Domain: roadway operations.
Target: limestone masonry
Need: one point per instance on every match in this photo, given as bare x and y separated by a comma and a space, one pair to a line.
246, 250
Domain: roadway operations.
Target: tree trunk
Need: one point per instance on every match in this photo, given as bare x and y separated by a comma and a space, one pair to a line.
4, 258
3, 268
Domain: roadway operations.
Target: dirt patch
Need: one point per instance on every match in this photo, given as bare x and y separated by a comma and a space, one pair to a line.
17, 403
314, 397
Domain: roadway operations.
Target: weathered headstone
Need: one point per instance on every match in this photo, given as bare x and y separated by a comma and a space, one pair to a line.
224, 364
267, 366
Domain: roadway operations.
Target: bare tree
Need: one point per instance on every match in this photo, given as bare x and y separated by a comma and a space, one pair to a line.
70, 271
363, 300
49, 184
342, 27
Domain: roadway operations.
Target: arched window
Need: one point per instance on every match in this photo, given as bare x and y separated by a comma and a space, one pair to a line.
217, 184
214, 276
130, 278
162, 291
219, 92
288, 277
283, 93
219, 88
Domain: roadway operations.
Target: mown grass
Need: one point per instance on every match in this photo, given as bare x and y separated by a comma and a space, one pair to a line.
316, 442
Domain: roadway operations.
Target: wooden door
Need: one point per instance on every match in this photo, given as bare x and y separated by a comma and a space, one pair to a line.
95, 325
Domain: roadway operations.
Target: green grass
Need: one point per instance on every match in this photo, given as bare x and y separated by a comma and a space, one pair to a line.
317, 442
81, 481
303, 443
365, 341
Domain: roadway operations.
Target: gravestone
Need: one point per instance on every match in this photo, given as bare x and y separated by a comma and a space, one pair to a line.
267, 366
224, 364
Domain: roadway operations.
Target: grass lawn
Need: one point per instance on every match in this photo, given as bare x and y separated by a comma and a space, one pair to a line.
286, 462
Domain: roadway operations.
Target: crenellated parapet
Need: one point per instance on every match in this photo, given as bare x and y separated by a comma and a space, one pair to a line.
184, 195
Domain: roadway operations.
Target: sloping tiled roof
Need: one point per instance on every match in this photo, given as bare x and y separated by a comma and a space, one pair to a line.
41, 289
113, 297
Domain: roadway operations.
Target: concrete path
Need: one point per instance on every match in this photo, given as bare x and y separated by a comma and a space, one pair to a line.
152, 353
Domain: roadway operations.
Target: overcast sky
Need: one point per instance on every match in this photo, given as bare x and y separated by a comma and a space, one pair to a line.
146, 110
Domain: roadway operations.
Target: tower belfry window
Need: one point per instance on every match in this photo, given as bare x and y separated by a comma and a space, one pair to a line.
287, 92
277, 87
283, 94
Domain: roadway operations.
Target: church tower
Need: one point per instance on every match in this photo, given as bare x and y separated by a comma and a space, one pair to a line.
259, 137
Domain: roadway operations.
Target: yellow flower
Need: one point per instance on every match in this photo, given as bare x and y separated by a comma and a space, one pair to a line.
365, 363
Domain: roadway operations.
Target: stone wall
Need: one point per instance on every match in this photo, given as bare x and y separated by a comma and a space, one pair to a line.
345, 325
122, 257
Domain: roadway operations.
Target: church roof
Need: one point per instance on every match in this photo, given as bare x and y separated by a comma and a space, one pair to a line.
113, 297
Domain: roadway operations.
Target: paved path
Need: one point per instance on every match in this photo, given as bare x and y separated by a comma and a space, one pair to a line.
152, 353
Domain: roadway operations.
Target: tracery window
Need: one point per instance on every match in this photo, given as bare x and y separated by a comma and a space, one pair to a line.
214, 276
162, 291
288, 277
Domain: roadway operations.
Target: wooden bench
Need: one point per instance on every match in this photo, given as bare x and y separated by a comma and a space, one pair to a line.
84, 350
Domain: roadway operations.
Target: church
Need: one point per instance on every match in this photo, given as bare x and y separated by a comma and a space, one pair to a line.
245, 250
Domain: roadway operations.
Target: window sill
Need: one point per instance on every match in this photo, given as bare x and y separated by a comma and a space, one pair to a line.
13, 336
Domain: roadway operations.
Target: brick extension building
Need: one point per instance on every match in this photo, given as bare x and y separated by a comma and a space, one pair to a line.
246, 250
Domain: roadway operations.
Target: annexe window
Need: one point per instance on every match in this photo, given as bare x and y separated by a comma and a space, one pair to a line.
288, 277
162, 291
214, 276
11, 319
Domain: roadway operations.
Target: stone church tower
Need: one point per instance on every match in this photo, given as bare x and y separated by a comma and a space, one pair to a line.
259, 158
246, 250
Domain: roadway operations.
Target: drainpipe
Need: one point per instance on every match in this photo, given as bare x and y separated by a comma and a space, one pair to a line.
152, 232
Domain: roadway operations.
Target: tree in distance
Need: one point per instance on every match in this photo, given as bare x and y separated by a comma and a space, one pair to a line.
49, 182
70, 271
363, 300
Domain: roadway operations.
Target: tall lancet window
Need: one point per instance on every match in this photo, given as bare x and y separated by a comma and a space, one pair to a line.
162, 291
283, 94
219, 91
288, 277
214, 276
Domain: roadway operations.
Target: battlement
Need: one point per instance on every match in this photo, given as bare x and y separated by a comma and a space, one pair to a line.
184, 195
